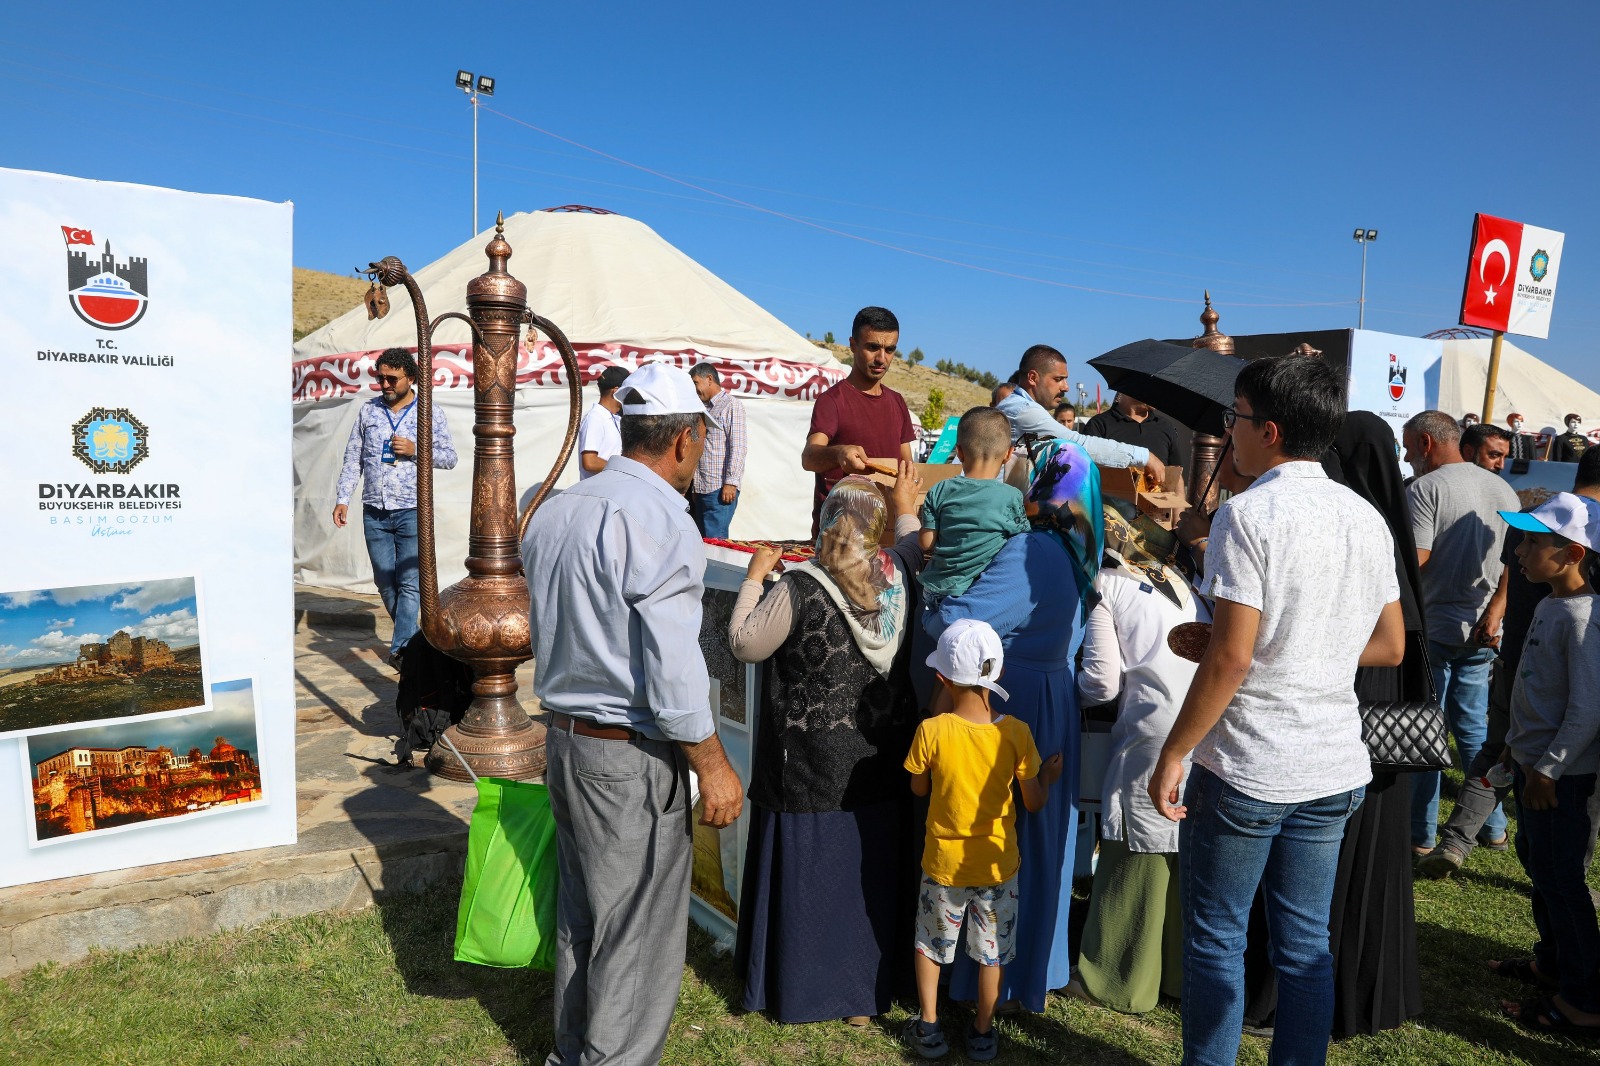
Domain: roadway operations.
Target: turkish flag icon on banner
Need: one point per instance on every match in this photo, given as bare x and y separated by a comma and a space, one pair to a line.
1511, 277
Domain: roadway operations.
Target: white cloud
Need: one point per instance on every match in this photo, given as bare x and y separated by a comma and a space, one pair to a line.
21, 599
66, 597
174, 627
62, 623
53, 647
154, 594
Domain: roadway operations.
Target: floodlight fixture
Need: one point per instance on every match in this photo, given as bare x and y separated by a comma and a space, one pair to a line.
474, 85
1363, 237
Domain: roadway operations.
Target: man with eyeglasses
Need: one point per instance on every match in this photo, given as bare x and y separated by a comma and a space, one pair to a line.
860, 418
382, 453
1271, 716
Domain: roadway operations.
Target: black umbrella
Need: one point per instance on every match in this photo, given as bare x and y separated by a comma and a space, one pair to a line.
1192, 385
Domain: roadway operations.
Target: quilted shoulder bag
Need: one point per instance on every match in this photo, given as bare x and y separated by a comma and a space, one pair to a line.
1407, 735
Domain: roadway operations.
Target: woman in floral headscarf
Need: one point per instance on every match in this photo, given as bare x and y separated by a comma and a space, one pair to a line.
825, 919
1035, 594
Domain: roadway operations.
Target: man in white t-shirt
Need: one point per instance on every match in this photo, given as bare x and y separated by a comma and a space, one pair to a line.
1302, 573
600, 432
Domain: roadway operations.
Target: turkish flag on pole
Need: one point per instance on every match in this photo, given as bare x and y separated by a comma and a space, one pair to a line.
1491, 272
74, 235
1511, 277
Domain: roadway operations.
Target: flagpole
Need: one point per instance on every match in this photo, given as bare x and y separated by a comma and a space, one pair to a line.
1494, 378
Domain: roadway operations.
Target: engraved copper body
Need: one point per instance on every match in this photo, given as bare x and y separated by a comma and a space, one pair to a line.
482, 619
1206, 449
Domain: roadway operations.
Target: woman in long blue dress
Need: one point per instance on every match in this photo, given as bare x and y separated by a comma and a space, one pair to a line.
1033, 595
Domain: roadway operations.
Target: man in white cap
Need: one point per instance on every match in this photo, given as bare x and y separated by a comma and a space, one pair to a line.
615, 576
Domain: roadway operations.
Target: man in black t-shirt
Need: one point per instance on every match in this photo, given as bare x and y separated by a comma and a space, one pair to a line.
1132, 421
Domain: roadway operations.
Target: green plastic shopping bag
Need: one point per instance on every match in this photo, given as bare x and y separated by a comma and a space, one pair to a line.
508, 898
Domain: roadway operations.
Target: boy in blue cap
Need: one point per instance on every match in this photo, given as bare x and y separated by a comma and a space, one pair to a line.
1553, 750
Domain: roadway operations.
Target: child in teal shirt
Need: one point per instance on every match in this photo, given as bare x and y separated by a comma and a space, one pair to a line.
966, 519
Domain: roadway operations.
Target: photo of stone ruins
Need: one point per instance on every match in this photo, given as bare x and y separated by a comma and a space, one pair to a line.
123, 676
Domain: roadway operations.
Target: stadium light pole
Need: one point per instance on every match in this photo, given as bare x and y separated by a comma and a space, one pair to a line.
472, 85
1363, 237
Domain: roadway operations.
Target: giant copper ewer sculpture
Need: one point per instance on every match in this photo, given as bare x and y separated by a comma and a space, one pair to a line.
482, 619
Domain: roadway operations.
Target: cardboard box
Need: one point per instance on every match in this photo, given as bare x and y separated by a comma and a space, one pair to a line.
929, 473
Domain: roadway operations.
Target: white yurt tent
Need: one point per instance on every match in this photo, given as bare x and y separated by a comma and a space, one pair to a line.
623, 296
1539, 392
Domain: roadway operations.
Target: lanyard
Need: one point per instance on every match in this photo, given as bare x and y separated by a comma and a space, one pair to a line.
394, 423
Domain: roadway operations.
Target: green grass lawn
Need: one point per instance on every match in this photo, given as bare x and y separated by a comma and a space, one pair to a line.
381, 987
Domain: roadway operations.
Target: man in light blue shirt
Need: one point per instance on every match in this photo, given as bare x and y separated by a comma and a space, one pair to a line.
1041, 382
616, 572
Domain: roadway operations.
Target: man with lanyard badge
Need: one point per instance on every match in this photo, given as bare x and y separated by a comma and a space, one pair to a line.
382, 452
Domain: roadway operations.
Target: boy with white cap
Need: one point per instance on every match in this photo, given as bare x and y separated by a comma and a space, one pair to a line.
1553, 749
964, 760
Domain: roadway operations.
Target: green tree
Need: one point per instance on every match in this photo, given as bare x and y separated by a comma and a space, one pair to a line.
827, 338
933, 410
915, 356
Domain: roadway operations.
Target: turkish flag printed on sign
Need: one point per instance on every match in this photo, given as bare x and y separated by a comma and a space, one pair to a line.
1491, 273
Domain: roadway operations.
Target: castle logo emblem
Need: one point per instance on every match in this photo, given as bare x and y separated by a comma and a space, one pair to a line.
109, 440
1539, 265
1397, 378
103, 292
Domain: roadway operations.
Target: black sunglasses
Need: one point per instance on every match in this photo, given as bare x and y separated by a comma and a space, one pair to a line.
1230, 416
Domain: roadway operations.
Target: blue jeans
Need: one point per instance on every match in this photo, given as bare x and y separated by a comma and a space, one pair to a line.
1553, 846
392, 546
1228, 845
1461, 678
711, 516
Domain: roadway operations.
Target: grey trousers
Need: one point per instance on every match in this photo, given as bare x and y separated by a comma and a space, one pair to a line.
625, 844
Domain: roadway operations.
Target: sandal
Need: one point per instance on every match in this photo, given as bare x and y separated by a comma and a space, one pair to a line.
1521, 970
1542, 1015
926, 1039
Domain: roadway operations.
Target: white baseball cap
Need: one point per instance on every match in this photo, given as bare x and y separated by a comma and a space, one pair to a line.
662, 389
969, 653
1566, 514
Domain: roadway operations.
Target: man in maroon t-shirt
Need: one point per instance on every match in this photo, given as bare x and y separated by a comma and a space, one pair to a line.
859, 419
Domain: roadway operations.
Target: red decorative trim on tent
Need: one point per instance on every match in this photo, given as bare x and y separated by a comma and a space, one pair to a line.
326, 377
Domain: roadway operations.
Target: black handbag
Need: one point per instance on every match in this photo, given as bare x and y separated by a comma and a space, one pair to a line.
1407, 735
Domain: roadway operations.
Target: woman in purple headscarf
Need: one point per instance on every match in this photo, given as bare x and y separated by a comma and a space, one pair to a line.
1035, 595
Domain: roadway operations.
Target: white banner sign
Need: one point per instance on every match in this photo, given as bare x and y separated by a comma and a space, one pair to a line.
147, 702
1393, 376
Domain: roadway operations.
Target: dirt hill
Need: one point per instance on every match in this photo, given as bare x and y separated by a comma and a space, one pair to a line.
319, 298
916, 383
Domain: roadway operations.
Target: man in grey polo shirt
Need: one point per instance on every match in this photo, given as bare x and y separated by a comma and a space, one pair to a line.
1455, 521
615, 574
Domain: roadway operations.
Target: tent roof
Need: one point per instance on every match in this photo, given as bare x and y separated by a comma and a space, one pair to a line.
1536, 390
604, 279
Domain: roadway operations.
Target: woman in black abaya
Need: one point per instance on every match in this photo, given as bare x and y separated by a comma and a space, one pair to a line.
1372, 927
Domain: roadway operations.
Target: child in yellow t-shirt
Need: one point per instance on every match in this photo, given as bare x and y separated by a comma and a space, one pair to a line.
964, 761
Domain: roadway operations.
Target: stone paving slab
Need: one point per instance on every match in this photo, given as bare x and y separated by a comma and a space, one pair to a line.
365, 827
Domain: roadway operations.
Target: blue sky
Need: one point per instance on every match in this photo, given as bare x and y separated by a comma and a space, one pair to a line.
48, 626
1151, 150
232, 716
